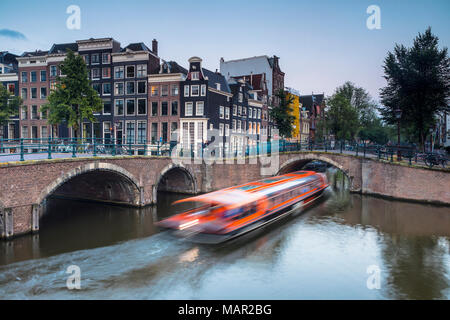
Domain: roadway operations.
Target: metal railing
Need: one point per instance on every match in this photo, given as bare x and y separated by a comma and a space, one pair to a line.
24, 149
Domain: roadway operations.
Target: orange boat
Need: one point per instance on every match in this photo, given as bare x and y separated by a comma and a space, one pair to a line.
225, 214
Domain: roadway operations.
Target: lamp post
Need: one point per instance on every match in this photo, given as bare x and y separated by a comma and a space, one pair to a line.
398, 115
431, 139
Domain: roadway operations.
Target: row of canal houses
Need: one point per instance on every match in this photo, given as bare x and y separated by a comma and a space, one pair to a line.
146, 98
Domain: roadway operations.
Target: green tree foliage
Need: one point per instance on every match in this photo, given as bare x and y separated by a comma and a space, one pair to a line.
282, 115
417, 83
9, 105
74, 100
341, 118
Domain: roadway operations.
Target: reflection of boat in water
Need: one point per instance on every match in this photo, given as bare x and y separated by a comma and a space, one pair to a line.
227, 213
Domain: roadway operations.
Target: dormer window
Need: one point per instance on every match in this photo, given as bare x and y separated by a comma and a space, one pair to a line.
195, 75
218, 86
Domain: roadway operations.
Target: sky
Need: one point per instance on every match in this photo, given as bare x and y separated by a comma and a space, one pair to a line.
321, 43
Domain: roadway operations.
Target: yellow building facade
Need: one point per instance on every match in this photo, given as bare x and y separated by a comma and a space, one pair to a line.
295, 111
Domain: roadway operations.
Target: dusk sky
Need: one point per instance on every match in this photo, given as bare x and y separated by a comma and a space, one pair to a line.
321, 44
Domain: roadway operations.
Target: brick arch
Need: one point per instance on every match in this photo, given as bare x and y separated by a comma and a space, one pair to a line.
96, 166
169, 167
311, 157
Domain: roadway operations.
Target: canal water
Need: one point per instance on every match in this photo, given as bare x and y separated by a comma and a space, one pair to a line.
348, 246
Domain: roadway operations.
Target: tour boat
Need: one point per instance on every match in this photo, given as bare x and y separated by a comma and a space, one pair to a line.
225, 214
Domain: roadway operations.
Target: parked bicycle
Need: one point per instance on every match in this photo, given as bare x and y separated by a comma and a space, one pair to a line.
435, 159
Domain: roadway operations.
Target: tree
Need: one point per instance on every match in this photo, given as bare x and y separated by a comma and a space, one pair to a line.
282, 115
9, 105
341, 117
74, 99
417, 84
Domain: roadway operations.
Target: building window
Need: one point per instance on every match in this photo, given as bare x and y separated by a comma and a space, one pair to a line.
34, 113
106, 73
195, 75
188, 108
43, 75
142, 70
24, 113
227, 129
106, 58
142, 87
96, 87
118, 72
33, 93
24, 132
11, 88
234, 125
130, 71
142, 106
44, 132
154, 134
227, 113
186, 91
24, 77
106, 107
241, 97
259, 113
221, 129
130, 87
130, 107
174, 90
199, 108
106, 88
33, 77
24, 93
53, 71
155, 91
173, 128
154, 108
203, 90
130, 132
86, 58
164, 108
95, 58
118, 88
218, 86
119, 107
194, 91
164, 131
221, 112
43, 93
234, 110
164, 91
142, 132
174, 108
95, 73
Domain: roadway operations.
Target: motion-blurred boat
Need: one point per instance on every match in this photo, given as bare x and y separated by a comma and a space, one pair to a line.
228, 213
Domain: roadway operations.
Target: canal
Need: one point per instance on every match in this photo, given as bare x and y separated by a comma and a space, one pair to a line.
330, 251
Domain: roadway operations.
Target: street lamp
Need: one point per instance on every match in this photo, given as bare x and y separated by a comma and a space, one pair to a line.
431, 139
398, 115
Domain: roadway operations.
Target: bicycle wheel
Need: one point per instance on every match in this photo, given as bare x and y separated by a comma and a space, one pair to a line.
428, 163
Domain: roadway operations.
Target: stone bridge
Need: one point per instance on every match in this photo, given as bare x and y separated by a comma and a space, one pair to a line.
135, 180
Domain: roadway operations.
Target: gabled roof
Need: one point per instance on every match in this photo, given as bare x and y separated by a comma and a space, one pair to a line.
138, 46
7, 57
308, 101
173, 67
215, 77
37, 53
63, 47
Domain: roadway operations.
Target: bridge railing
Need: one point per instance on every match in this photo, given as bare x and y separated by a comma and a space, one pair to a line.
41, 148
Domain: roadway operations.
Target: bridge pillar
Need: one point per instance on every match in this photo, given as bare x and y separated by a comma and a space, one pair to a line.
6, 223
36, 214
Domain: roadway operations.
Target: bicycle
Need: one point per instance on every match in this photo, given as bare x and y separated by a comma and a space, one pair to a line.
434, 159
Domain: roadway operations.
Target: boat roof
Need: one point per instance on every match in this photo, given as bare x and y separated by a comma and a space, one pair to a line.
223, 197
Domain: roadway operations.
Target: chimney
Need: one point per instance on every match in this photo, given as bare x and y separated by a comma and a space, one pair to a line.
155, 46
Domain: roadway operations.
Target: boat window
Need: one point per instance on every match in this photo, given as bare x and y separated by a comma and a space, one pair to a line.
248, 187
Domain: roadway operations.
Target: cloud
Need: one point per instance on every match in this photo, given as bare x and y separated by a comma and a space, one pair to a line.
12, 34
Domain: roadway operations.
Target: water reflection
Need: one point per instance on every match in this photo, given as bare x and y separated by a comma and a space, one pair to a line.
322, 253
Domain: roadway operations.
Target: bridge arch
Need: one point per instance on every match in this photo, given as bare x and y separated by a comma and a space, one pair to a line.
176, 178
113, 184
299, 161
